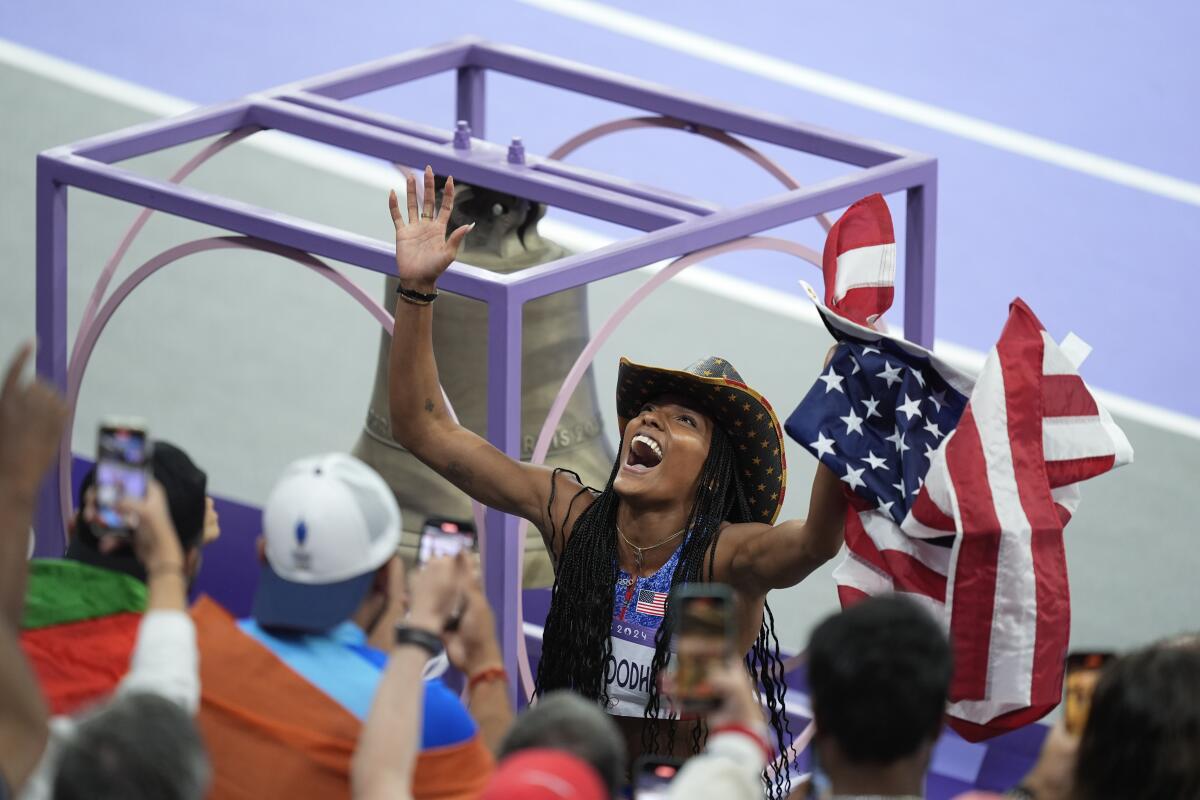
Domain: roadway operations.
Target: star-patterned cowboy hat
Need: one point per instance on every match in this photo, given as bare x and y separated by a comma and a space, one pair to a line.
744, 414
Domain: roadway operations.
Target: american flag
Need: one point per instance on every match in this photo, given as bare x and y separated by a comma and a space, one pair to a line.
652, 603
859, 262
959, 490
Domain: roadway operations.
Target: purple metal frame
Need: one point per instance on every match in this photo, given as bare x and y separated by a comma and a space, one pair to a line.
672, 225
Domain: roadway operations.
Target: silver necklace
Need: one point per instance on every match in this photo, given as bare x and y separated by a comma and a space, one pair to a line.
637, 551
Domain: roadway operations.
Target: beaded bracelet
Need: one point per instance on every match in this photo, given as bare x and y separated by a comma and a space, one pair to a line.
415, 297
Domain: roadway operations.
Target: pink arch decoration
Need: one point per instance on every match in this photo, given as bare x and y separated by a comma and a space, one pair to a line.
89, 332
732, 142
178, 176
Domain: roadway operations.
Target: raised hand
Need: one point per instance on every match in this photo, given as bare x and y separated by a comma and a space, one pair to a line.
31, 422
472, 645
423, 251
437, 592
154, 539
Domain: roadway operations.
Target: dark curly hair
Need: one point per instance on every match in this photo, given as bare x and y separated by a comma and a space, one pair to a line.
576, 645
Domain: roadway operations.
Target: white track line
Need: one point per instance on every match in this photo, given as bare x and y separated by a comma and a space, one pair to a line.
894, 105
383, 178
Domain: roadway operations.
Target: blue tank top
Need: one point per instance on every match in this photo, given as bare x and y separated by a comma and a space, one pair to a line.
639, 606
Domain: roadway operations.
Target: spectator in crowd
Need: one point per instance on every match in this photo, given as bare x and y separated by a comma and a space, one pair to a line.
286, 691
1142, 737
138, 746
82, 611
474, 651
878, 673
563, 721
732, 763
564, 747
384, 763
143, 743
31, 420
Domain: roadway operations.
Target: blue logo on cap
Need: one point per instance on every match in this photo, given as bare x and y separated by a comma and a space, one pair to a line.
301, 532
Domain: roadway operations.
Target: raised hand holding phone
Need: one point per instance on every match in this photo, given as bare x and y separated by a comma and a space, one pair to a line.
156, 545
704, 638
122, 470
436, 593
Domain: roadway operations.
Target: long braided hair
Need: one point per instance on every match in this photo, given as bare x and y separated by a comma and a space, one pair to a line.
576, 647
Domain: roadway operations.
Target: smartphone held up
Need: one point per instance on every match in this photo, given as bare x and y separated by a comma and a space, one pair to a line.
703, 643
122, 470
444, 537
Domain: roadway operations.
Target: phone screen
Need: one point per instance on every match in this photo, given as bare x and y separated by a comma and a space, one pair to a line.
703, 640
122, 462
1083, 672
443, 537
652, 777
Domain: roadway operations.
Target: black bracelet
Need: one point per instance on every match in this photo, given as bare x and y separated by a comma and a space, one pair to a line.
415, 297
424, 639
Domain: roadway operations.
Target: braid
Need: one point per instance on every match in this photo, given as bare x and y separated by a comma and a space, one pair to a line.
576, 646
575, 641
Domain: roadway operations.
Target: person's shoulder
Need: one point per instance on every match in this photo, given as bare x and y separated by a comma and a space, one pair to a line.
446, 721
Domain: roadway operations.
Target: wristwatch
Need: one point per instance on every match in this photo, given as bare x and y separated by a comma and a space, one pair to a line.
427, 640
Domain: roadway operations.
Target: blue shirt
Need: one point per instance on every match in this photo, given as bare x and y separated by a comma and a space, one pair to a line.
341, 664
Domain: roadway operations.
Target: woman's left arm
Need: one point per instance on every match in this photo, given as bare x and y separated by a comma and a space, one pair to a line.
755, 558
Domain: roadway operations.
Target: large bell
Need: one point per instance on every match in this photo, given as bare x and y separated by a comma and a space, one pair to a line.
505, 239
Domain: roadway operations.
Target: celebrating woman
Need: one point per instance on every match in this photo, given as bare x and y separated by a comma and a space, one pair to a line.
693, 495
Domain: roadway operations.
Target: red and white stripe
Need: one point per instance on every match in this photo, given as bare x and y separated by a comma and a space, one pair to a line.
859, 261
1003, 484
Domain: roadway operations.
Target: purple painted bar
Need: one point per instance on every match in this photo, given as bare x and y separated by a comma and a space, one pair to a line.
385, 72
720, 227
163, 134
603, 180
618, 88
251, 220
366, 116
920, 258
502, 546
470, 102
484, 164
548, 166
51, 261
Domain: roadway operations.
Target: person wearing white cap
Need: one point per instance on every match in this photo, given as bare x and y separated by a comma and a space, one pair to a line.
331, 526
330, 531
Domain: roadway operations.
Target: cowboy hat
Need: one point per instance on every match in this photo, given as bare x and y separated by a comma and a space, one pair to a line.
745, 416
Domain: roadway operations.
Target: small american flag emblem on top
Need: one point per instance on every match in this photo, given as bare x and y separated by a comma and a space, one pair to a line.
653, 603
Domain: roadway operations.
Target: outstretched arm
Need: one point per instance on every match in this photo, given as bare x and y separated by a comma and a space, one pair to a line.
757, 558
419, 419
387, 749
31, 419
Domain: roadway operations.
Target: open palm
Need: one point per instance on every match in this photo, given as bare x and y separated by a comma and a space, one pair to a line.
423, 252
